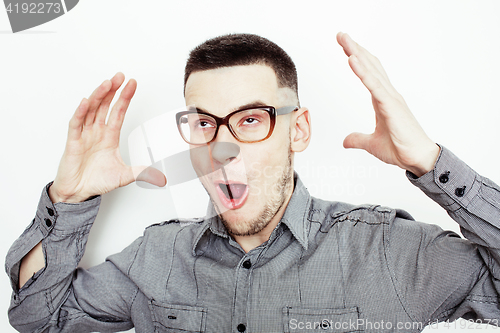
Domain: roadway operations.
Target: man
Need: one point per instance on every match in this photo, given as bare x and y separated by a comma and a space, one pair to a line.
272, 258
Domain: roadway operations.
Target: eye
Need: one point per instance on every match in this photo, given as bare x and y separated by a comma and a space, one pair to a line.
250, 121
204, 124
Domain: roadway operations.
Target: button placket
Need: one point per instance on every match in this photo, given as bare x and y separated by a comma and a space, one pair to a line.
247, 264
50, 211
243, 280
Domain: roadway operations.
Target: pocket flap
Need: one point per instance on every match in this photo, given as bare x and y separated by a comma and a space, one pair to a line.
180, 317
342, 320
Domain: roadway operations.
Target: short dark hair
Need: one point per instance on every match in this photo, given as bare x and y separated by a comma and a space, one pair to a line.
242, 49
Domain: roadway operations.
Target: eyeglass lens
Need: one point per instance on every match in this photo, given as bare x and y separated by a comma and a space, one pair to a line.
246, 125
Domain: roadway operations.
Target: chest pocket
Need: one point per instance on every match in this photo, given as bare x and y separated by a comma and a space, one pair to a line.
168, 318
305, 320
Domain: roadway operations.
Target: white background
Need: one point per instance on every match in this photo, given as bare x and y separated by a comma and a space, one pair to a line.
442, 56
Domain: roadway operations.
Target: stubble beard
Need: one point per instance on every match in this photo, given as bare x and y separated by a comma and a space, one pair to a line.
254, 226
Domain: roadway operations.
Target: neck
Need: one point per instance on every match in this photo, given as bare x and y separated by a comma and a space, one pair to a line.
248, 243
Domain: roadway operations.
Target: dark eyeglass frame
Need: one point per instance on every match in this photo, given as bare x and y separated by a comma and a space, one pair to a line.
273, 112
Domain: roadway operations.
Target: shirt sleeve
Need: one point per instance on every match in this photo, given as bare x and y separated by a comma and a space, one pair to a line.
60, 296
450, 277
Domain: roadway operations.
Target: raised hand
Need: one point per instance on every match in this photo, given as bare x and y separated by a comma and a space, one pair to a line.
398, 138
91, 163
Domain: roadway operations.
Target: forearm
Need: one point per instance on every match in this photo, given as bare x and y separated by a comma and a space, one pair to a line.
42, 261
430, 154
34, 260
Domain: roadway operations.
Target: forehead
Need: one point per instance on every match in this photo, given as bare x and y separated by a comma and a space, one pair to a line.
222, 90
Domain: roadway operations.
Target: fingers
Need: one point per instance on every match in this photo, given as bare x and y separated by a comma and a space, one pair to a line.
352, 48
76, 122
95, 100
345, 43
103, 108
95, 109
369, 69
369, 61
117, 114
377, 89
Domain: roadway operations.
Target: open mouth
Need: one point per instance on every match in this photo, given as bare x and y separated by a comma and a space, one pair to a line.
232, 195
233, 191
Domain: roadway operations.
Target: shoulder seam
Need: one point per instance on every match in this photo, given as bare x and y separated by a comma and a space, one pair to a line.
387, 254
135, 256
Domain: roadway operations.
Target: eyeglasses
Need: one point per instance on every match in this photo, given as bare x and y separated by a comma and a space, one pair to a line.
248, 125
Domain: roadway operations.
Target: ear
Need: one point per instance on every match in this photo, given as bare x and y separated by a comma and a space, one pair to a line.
300, 130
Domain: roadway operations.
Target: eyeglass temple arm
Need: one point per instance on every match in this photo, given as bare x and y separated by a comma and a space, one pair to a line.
286, 110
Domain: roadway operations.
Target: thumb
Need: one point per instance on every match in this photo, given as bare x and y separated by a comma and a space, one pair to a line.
357, 141
149, 175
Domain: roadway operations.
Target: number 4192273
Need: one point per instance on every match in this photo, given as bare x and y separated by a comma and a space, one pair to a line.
34, 8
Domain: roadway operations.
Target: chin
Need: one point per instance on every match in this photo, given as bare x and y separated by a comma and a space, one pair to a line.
237, 215
248, 220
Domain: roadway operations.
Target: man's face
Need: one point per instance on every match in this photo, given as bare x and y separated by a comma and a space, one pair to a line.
248, 192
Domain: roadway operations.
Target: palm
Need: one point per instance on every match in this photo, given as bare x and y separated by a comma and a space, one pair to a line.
387, 141
92, 164
398, 138
95, 162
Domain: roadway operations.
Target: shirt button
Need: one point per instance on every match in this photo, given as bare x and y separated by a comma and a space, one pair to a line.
48, 223
50, 211
459, 192
444, 177
247, 264
241, 328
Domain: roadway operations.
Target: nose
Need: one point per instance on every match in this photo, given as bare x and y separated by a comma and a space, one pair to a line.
222, 149
224, 134
224, 152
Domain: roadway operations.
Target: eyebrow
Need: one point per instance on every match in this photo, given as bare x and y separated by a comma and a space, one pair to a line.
253, 104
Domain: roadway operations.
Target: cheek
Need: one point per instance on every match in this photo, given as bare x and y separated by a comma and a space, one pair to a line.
203, 171
267, 160
197, 164
200, 160
267, 167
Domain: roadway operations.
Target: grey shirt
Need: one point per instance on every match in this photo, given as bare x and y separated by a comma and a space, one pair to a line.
327, 266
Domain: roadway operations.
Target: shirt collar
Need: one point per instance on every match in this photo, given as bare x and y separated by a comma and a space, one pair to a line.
295, 217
